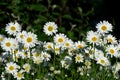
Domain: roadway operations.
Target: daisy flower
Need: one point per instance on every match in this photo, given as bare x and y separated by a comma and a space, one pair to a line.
93, 37
30, 39
60, 39
57, 49
98, 53
111, 39
23, 54
38, 60
48, 45
88, 64
1, 37
19, 75
66, 62
20, 36
112, 50
45, 56
80, 44
103, 61
7, 44
79, 58
50, 28
35, 54
13, 28
68, 44
11, 67
104, 27
27, 67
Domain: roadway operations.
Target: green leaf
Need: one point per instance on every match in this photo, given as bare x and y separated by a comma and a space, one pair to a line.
68, 17
38, 7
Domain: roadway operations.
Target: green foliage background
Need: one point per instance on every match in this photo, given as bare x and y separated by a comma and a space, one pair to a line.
73, 17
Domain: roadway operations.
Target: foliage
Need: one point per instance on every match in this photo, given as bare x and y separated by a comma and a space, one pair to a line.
73, 17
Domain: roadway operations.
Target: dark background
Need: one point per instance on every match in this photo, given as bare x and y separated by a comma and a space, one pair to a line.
109, 10
83, 14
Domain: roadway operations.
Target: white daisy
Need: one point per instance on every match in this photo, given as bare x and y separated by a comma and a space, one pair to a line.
7, 44
93, 37
60, 39
27, 67
111, 39
112, 50
35, 54
23, 54
79, 58
48, 45
68, 44
13, 28
19, 75
38, 60
20, 36
98, 53
103, 61
66, 62
45, 56
80, 44
50, 28
11, 67
1, 37
30, 39
57, 49
88, 64
104, 27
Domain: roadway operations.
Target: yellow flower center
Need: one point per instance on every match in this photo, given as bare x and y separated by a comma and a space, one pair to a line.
44, 55
8, 44
78, 57
1, 39
13, 28
65, 64
67, 44
19, 74
49, 46
21, 36
25, 54
94, 39
25, 48
87, 63
80, 46
27, 68
60, 40
50, 28
15, 51
112, 51
56, 49
11, 68
110, 40
104, 28
29, 39
36, 54
102, 61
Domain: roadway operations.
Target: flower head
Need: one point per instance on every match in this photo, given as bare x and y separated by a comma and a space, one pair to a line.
93, 37
30, 39
13, 28
50, 28
104, 27
11, 67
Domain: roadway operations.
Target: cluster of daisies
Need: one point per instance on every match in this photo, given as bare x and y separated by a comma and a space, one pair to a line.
24, 57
